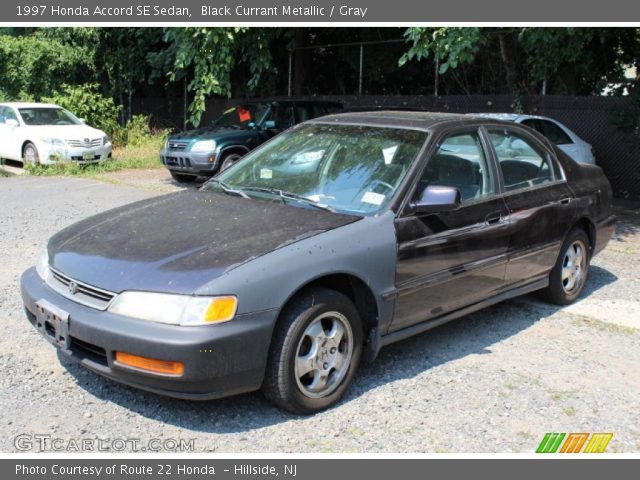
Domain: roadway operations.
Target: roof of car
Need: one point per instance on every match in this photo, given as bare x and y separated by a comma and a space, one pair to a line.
29, 105
419, 120
511, 117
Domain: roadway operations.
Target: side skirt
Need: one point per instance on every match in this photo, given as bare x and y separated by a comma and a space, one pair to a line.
405, 333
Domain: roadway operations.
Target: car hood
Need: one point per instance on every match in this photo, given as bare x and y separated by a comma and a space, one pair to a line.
67, 132
210, 132
179, 242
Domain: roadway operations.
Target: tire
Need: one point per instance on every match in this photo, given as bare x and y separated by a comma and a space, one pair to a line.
182, 177
229, 160
30, 155
306, 326
569, 275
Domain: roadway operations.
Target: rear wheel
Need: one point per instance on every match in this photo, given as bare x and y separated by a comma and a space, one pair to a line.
30, 155
569, 275
182, 177
315, 352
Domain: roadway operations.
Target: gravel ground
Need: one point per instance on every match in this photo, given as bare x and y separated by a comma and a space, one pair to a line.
495, 381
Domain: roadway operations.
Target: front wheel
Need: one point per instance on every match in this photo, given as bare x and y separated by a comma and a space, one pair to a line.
229, 160
569, 275
315, 352
30, 155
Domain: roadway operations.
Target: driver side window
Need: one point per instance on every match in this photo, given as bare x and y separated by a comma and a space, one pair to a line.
460, 162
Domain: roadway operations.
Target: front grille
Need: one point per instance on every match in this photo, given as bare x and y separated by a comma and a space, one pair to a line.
89, 351
178, 162
91, 143
178, 146
79, 292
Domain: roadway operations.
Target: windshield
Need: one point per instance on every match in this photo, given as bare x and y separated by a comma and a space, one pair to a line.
242, 115
48, 116
349, 169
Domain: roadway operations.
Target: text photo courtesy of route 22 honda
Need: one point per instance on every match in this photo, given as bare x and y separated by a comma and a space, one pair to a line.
335, 238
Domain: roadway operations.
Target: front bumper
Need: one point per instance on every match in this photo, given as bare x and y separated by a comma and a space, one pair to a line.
50, 155
205, 163
219, 360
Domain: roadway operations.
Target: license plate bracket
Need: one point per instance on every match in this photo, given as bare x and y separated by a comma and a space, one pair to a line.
53, 324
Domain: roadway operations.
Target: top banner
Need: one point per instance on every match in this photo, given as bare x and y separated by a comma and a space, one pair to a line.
317, 11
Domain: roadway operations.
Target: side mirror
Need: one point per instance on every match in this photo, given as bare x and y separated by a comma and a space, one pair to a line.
436, 199
12, 122
82, 120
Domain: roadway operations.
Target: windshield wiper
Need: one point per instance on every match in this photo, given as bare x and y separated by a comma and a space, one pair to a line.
284, 195
228, 190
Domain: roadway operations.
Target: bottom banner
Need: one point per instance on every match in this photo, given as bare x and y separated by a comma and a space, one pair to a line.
318, 469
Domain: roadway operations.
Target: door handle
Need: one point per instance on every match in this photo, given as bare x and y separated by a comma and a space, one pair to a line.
565, 201
493, 218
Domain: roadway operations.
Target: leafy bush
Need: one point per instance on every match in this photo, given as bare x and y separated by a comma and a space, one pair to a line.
137, 132
85, 101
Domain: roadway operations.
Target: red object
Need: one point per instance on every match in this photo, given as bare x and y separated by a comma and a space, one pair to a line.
244, 115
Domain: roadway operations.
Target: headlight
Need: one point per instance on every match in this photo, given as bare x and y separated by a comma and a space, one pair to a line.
105, 140
175, 309
55, 142
42, 265
204, 146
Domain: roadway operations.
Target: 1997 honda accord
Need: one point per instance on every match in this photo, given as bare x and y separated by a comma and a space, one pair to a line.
335, 238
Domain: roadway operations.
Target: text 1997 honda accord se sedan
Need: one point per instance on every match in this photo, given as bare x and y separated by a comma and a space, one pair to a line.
335, 238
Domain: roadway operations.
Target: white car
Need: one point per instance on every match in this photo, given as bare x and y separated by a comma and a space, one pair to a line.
565, 139
45, 133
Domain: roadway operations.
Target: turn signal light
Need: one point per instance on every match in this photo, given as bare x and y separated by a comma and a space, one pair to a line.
150, 364
221, 309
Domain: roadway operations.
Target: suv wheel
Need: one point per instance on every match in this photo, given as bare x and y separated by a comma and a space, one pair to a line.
229, 160
315, 352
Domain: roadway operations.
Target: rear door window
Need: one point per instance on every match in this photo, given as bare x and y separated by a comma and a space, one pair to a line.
523, 164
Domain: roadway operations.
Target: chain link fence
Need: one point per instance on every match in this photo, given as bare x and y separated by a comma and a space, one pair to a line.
598, 120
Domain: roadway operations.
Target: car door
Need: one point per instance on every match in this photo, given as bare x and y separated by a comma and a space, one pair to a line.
541, 204
452, 259
3, 132
9, 141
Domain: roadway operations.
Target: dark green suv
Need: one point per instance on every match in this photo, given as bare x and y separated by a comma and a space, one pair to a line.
207, 150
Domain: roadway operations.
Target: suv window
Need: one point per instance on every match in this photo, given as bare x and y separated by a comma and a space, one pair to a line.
459, 162
522, 164
284, 117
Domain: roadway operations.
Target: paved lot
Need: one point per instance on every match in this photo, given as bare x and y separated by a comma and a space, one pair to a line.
495, 381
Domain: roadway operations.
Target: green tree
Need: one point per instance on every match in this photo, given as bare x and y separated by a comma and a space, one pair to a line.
34, 66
